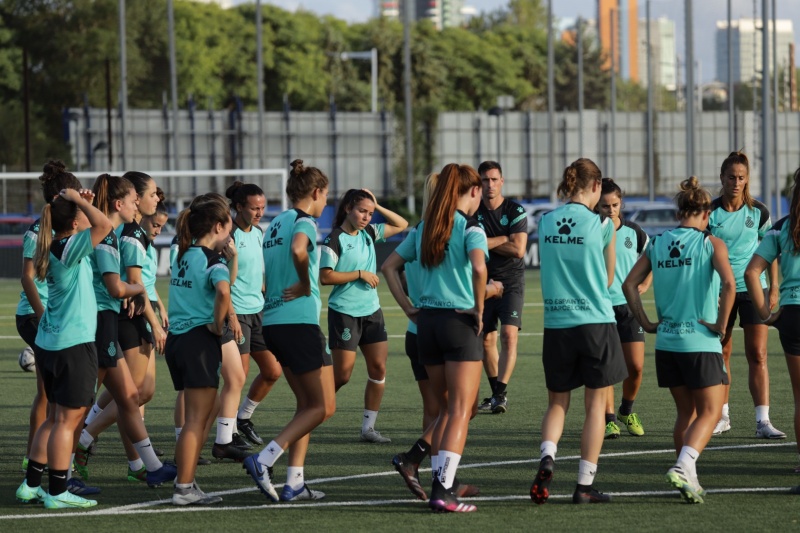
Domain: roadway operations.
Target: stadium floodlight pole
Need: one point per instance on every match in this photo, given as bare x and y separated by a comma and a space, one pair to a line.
778, 207
173, 82
614, 28
765, 126
689, 97
123, 86
410, 200
731, 94
260, 82
579, 41
551, 105
651, 179
372, 56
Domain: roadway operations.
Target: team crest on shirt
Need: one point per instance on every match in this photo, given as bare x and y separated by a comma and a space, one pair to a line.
628, 243
793, 292
346, 336
520, 209
108, 239
112, 350
749, 222
504, 220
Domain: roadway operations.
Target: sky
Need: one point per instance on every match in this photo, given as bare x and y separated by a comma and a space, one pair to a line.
706, 13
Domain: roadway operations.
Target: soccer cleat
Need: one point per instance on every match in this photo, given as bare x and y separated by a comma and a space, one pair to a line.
229, 451
26, 494
589, 496
485, 406
765, 430
81, 462
612, 430
633, 423
288, 494
499, 404
137, 475
92, 449
79, 488
445, 501
67, 500
167, 472
795, 490
464, 490
193, 496
262, 476
25, 464
240, 442
202, 461
690, 490
159, 452
247, 429
722, 426
540, 489
410, 474
372, 435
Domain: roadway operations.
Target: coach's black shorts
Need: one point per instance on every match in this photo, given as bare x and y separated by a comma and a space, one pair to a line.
412, 351
588, 355
445, 335
693, 370
69, 375
299, 347
628, 328
747, 313
27, 327
788, 326
108, 348
194, 359
507, 309
133, 332
347, 332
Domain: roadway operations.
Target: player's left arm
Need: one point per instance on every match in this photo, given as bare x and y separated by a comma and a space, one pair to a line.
513, 246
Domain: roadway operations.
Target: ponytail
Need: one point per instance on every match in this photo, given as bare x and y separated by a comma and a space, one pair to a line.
41, 258
108, 189
794, 212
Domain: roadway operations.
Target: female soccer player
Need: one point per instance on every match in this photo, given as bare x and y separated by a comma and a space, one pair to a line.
67, 358
691, 322
355, 318
631, 242
452, 250
741, 222
199, 300
581, 346
291, 331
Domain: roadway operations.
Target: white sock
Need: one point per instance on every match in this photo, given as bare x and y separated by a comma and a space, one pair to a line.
178, 433
136, 464
725, 411
435, 466
548, 447
86, 439
145, 450
688, 459
224, 430
586, 473
762, 413
96, 410
295, 478
247, 409
369, 420
69, 470
449, 464
270, 454
184, 485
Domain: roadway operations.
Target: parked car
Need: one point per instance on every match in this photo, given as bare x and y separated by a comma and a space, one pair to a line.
653, 217
12, 230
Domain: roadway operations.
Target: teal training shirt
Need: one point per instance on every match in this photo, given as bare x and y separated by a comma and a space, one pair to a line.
741, 231
105, 260
149, 271
449, 284
686, 289
778, 243
28, 251
343, 252
71, 314
173, 252
133, 243
572, 240
193, 288
246, 290
281, 274
412, 282
631, 243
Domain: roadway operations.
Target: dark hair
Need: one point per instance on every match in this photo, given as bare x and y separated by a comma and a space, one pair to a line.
738, 158
794, 212
161, 207
303, 181
139, 180
578, 176
348, 202
57, 216
239, 191
608, 186
486, 166
55, 178
108, 189
199, 219
693, 199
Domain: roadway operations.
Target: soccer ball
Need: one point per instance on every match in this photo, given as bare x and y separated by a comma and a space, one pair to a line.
26, 359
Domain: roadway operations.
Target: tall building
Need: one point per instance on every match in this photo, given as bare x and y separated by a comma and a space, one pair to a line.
664, 52
746, 42
625, 35
443, 13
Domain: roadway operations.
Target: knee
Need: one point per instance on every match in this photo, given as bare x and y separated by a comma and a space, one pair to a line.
271, 374
377, 373
130, 402
508, 339
758, 357
342, 378
635, 370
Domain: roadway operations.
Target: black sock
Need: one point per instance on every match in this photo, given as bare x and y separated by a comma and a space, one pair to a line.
58, 482
611, 417
500, 388
34, 473
493, 383
418, 451
626, 407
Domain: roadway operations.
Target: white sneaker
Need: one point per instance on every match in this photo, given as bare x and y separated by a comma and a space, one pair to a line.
372, 435
691, 491
193, 496
722, 426
765, 430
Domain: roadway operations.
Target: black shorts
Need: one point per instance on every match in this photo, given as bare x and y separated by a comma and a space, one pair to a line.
108, 348
194, 359
227, 334
299, 347
628, 328
445, 335
69, 375
588, 355
693, 370
27, 327
134, 332
347, 332
747, 313
507, 309
412, 351
253, 334
788, 330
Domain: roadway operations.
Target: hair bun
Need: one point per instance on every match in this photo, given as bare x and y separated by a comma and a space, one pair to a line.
690, 184
51, 168
230, 192
297, 166
160, 194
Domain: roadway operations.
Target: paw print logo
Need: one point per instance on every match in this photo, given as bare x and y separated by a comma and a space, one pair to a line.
274, 230
223, 260
327, 240
675, 248
628, 243
749, 222
183, 265
108, 239
480, 218
36, 228
137, 233
565, 226
112, 350
793, 292
346, 336
504, 221
520, 209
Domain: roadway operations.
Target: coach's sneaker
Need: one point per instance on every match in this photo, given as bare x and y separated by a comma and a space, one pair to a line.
193, 496
584, 494
288, 494
410, 474
229, 451
373, 435
239, 442
486, 406
678, 478
722, 426
612, 430
137, 475
81, 462
499, 403
246, 428
26, 494
261, 475
79, 488
765, 430
167, 472
633, 423
540, 489
67, 500
444, 500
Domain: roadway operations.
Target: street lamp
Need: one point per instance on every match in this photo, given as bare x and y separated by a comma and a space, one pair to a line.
371, 55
